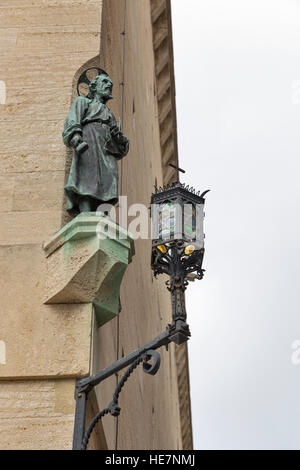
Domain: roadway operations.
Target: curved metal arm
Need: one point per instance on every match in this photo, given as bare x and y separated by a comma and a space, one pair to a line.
177, 332
113, 407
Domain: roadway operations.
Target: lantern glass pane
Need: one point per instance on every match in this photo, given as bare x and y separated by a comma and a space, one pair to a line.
189, 223
199, 226
170, 221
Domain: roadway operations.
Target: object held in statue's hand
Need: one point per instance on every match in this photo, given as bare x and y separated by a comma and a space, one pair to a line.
115, 132
118, 135
81, 147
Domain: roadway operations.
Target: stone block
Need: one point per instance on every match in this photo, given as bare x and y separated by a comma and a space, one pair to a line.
86, 264
28, 227
37, 414
38, 340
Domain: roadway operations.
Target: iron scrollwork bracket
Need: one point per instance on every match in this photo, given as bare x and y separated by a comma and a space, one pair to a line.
147, 355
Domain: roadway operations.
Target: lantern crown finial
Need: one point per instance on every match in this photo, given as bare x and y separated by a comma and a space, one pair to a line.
177, 185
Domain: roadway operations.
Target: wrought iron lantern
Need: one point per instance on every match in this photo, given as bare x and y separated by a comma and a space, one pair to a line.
177, 250
177, 214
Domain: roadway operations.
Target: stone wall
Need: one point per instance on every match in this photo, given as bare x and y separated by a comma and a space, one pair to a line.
36, 414
44, 46
43, 43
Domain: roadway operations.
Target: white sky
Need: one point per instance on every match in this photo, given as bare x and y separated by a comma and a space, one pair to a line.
237, 71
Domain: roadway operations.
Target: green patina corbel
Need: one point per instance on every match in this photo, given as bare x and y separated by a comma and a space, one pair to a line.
84, 268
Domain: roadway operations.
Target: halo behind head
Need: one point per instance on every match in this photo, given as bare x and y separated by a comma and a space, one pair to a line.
85, 79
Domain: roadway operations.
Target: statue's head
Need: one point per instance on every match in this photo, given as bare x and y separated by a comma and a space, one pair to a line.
101, 86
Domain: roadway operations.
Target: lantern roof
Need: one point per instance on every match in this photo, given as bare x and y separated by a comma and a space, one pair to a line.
176, 189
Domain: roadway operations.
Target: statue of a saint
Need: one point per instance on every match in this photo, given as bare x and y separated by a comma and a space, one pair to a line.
91, 130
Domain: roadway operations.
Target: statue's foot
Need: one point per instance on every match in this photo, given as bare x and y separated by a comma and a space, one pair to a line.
86, 204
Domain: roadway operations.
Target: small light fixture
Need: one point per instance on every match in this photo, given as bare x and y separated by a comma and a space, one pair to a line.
177, 214
177, 250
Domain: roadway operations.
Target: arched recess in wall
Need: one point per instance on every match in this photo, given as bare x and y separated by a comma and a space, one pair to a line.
94, 62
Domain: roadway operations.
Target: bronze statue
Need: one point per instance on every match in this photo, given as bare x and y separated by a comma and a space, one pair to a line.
91, 130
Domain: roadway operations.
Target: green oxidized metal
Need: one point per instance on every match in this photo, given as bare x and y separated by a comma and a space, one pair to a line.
91, 130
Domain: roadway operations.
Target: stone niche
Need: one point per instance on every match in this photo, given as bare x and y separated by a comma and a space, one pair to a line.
86, 261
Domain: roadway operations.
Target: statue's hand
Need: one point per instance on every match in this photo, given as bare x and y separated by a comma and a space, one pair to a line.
76, 140
118, 135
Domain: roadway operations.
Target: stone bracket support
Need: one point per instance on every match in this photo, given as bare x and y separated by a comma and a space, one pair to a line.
86, 261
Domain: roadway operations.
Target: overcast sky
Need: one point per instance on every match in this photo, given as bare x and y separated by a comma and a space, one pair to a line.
237, 71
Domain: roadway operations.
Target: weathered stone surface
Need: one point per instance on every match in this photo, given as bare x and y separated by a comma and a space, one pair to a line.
76, 38
30, 162
54, 71
19, 14
41, 340
27, 227
37, 191
7, 184
20, 102
37, 414
82, 268
42, 45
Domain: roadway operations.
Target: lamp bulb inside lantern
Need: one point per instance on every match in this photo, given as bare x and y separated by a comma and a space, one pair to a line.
162, 248
189, 249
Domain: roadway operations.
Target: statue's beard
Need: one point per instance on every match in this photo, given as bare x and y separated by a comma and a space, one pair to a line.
105, 97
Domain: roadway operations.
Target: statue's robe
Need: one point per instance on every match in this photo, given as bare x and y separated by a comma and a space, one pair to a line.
94, 172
